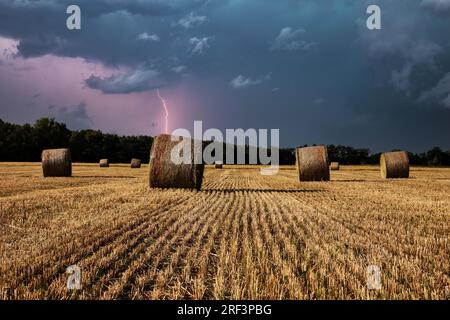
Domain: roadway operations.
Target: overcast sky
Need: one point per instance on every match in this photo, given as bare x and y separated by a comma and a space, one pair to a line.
308, 67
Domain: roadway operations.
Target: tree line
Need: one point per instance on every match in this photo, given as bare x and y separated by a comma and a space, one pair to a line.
26, 142
348, 155
351, 156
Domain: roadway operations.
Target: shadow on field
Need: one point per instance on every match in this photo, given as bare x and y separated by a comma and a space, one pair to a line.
371, 180
104, 177
259, 190
354, 180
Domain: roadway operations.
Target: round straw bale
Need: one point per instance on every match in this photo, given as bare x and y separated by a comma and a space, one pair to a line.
135, 163
312, 164
164, 173
334, 166
56, 163
104, 163
394, 165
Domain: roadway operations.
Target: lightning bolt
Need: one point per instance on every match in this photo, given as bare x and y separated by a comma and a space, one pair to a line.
166, 110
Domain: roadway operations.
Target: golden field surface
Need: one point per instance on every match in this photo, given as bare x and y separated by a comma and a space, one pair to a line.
244, 236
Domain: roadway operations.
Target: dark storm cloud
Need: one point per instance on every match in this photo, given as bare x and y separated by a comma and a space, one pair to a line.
438, 7
329, 75
107, 27
41, 45
440, 93
98, 7
398, 55
136, 81
146, 7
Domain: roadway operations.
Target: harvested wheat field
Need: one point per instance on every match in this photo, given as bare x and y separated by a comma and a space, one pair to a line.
244, 236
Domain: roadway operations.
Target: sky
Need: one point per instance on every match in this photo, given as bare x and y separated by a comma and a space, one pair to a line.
310, 68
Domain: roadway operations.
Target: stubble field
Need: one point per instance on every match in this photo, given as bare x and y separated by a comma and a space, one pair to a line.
244, 236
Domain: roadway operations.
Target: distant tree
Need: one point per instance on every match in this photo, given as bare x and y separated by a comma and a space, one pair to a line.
287, 156
435, 157
90, 146
446, 161
415, 159
348, 155
49, 134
